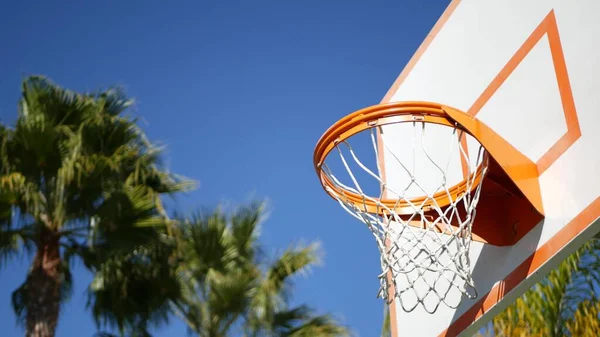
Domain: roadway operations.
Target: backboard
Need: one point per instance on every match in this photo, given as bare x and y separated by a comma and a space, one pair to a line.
530, 70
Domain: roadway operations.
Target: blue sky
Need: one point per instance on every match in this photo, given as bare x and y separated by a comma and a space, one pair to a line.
240, 91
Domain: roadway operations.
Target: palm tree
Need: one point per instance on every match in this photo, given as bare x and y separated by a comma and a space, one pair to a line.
78, 180
564, 303
231, 289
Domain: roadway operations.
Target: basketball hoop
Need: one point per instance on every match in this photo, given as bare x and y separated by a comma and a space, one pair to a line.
424, 225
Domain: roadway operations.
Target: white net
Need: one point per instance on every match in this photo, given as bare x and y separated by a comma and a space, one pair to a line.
424, 243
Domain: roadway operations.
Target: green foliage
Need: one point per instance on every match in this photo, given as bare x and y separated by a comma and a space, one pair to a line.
132, 289
230, 289
77, 173
79, 179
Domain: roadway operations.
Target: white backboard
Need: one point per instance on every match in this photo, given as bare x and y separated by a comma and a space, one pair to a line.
529, 69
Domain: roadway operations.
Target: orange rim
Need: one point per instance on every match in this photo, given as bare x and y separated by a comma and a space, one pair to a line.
382, 114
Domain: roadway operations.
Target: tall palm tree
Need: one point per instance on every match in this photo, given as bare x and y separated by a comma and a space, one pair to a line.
230, 288
564, 303
78, 180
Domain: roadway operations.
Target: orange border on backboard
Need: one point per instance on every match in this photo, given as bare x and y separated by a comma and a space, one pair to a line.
547, 27
559, 241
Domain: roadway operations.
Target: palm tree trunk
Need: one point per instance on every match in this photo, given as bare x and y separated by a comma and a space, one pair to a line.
43, 294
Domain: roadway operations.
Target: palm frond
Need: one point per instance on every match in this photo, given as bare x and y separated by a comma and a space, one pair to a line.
286, 320
13, 239
6, 135
204, 244
114, 101
294, 261
125, 219
245, 231
230, 295
13, 242
18, 191
41, 96
132, 290
321, 326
